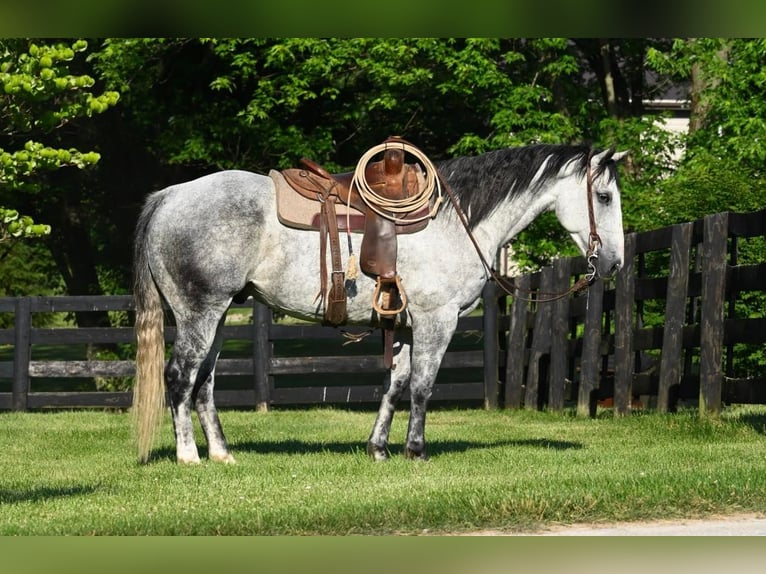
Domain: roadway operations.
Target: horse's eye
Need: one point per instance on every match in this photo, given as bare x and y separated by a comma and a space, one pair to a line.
604, 197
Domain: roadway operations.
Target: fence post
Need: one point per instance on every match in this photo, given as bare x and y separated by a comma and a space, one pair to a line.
675, 315
491, 345
625, 293
21, 353
516, 346
562, 270
715, 233
541, 344
591, 351
261, 356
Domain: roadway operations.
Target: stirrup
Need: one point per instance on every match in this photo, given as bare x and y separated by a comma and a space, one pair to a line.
376, 296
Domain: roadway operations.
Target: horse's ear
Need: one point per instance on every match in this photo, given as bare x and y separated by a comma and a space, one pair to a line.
607, 155
617, 156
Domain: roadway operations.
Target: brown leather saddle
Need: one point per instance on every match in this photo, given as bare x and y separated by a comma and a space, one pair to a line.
341, 207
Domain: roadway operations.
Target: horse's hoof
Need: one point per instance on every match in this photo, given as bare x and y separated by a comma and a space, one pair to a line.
225, 458
188, 460
413, 455
376, 452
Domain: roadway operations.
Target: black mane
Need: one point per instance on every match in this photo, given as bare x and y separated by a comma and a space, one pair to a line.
482, 182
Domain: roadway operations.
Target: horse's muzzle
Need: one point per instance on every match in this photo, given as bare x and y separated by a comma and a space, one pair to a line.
611, 269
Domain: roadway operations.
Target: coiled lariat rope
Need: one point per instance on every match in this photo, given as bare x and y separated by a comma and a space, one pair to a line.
393, 209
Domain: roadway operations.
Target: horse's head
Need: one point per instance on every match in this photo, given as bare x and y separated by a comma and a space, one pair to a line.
588, 207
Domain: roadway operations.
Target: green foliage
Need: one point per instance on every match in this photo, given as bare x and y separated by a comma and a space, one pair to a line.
40, 74
195, 105
706, 184
263, 103
735, 123
16, 167
38, 95
723, 167
26, 269
15, 226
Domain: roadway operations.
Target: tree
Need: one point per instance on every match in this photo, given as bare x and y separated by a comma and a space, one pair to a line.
723, 166
41, 102
262, 103
192, 106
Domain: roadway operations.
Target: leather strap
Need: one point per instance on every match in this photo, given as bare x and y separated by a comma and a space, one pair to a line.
323, 254
387, 325
335, 302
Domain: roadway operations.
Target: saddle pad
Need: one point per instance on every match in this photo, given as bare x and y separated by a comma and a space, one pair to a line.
294, 210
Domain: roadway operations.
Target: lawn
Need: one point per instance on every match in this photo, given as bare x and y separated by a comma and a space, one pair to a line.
306, 472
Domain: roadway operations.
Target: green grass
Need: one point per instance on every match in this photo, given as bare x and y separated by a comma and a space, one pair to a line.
306, 472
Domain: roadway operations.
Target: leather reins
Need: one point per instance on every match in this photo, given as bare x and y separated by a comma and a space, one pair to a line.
507, 284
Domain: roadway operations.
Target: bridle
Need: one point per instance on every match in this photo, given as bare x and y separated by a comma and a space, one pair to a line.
594, 240
507, 284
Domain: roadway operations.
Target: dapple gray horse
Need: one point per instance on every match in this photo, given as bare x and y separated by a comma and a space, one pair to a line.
203, 243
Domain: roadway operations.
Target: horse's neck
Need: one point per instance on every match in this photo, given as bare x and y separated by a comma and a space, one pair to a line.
512, 217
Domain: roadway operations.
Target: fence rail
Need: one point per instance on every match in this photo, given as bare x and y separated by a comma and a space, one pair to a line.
609, 343
356, 372
668, 329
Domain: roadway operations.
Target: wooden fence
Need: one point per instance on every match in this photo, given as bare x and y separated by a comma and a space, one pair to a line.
667, 330
295, 364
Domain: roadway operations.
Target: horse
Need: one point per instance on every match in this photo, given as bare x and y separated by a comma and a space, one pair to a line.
201, 244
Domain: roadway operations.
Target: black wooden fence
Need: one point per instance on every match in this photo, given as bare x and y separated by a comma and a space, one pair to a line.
294, 365
666, 330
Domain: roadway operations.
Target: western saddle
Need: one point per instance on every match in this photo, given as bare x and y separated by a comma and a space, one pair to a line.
375, 200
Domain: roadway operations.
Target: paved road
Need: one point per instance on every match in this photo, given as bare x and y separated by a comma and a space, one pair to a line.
746, 525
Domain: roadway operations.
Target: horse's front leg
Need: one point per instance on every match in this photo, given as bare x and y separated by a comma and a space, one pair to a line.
396, 381
431, 335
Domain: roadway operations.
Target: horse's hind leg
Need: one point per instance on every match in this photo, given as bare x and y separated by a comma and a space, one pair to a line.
397, 380
218, 450
187, 373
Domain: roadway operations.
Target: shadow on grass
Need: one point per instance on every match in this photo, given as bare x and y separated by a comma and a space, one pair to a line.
38, 494
444, 447
434, 448
756, 421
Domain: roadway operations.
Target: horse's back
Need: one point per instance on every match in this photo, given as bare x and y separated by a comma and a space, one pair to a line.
220, 189
202, 233
216, 198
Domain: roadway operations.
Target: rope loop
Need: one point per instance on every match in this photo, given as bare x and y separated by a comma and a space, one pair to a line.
393, 209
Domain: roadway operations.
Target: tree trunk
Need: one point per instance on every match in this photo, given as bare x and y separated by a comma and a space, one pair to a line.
72, 250
608, 79
703, 82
